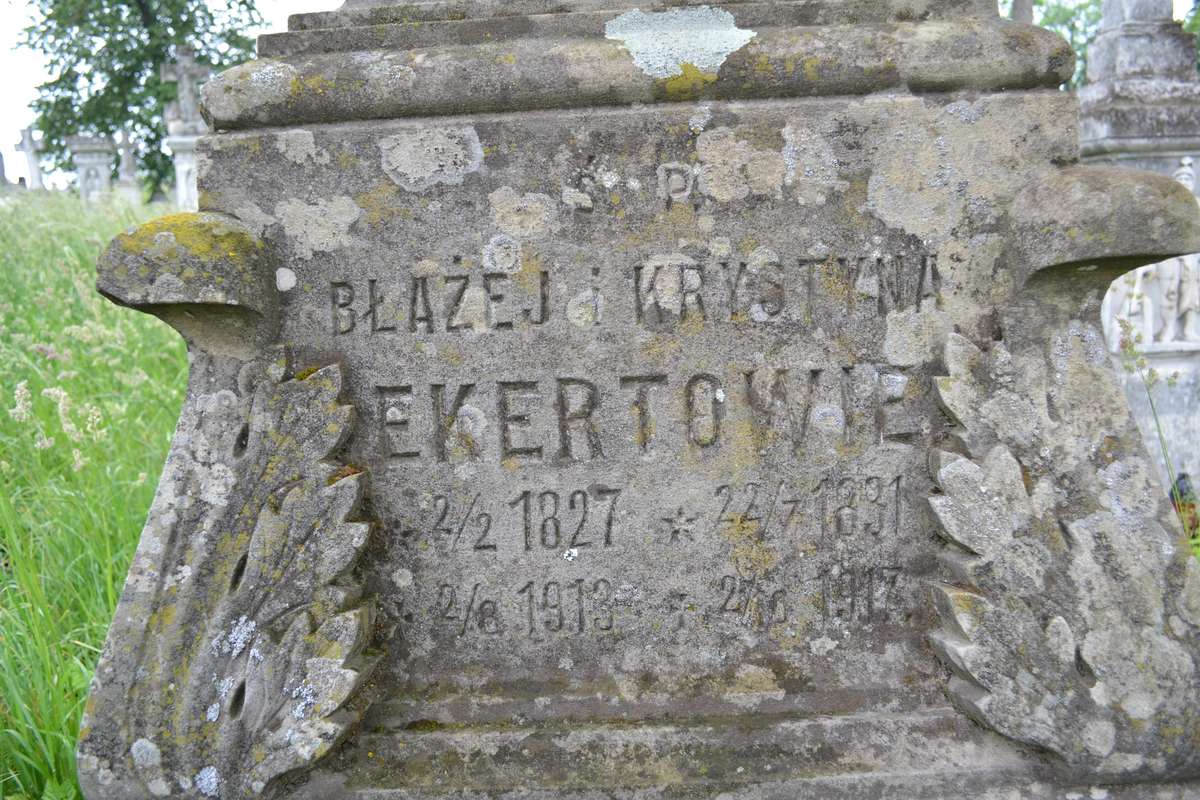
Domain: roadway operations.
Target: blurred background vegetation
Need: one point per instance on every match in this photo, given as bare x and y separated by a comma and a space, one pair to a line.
89, 395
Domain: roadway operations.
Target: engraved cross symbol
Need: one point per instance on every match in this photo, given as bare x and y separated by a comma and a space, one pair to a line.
682, 527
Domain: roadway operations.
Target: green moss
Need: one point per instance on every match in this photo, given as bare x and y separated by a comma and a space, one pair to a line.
425, 726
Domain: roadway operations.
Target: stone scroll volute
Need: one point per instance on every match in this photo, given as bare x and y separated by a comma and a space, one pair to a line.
239, 641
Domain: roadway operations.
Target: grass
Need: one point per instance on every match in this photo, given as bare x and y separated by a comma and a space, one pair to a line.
1134, 362
89, 394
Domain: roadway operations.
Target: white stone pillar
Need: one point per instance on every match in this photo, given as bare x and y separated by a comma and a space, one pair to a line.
183, 152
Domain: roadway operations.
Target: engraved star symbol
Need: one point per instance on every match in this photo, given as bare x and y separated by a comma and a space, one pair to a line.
682, 526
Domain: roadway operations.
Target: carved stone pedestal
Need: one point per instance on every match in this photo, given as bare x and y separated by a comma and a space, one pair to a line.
703, 401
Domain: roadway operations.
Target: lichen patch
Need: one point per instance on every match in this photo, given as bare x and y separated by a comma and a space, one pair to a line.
318, 228
419, 159
662, 42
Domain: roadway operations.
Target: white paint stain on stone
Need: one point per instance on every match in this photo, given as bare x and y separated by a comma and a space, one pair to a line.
285, 279
422, 158
661, 43
700, 119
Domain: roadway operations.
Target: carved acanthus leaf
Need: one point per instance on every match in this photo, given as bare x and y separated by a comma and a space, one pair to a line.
257, 685
1068, 625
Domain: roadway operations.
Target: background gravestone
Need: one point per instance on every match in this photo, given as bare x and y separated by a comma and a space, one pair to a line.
1142, 108
93, 157
31, 147
651, 403
185, 125
128, 186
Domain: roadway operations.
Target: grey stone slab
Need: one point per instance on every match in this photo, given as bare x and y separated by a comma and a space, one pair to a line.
651, 408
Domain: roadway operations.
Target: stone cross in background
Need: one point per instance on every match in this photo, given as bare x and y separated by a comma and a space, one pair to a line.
93, 156
1141, 108
185, 124
128, 186
31, 148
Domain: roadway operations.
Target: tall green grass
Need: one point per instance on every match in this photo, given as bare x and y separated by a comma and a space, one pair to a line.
89, 394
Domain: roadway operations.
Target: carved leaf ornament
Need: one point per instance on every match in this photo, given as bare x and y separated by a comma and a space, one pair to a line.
263, 690
1072, 632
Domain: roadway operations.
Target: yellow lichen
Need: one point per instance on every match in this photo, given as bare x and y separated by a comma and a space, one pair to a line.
748, 552
688, 85
810, 65
347, 471
317, 84
193, 234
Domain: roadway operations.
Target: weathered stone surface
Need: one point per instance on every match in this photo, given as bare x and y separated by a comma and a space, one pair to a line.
696, 430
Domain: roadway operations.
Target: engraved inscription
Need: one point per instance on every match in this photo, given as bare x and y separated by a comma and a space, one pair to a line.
528, 422
761, 286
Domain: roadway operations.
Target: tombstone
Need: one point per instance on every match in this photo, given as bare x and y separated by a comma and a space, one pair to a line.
128, 185
93, 156
4, 184
705, 401
1142, 108
185, 124
31, 148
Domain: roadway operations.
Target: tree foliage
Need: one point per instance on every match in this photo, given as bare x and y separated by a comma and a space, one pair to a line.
107, 56
1077, 21
1192, 23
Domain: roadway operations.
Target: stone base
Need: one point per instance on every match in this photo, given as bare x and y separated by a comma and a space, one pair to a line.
936, 755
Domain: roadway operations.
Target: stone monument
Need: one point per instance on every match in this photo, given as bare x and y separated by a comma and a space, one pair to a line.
93, 156
128, 185
185, 124
31, 148
1141, 108
689, 401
